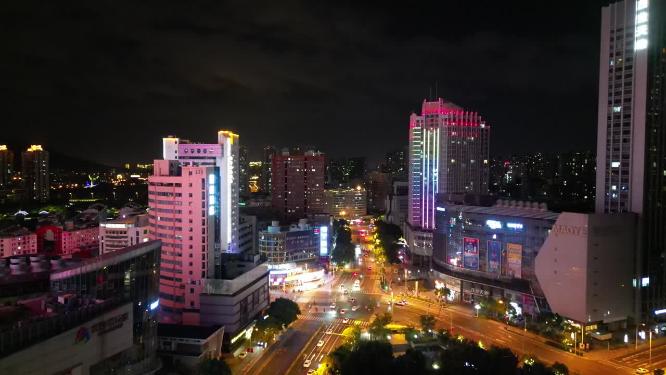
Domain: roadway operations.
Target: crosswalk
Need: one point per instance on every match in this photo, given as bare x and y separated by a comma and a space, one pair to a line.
324, 318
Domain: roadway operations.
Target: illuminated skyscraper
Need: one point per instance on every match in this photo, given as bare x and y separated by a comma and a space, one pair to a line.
193, 199
448, 153
6, 165
631, 135
35, 173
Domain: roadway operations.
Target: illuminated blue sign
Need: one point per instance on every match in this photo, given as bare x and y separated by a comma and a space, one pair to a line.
659, 312
516, 226
494, 224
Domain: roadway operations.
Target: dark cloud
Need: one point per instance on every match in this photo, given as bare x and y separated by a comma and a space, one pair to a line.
107, 79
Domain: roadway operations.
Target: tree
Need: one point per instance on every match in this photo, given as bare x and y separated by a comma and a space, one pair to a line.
352, 336
377, 327
503, 360
284, 310
344, 250
427, 322
210, 366
562, 369
371, 357
412, 362
442, 293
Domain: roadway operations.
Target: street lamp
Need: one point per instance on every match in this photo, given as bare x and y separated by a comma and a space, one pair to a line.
477, 307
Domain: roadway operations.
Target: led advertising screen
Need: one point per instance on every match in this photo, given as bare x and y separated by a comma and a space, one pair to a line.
494, 256
514, 259
471, 253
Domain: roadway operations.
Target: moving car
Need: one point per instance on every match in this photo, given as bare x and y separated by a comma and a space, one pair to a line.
242, 355
345, 320
320, 343
401, 303
352, 300
332, 306
342, 311
307, 363
311, 371
329, 331
642, 370
354, 308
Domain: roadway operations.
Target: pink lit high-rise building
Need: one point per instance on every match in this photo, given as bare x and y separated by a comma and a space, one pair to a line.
193, 199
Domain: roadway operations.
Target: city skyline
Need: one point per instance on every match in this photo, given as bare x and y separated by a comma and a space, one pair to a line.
229, 73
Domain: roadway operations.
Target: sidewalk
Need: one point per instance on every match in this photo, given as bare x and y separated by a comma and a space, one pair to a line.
604, 354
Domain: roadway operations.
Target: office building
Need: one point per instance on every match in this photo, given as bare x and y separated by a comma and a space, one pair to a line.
187, 346
193, 199
296, 243
17, 241
397, 203
265, 184
243, 172
95, 316
522, 253
67, 239
6, 165
631, 135
247, 234
237, 298
395, 163
345, 171
448, 152
123, 232
298, 183
35, 173
378, 185
346, 203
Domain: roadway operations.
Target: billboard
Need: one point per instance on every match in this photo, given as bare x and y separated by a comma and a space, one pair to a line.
323, 241
471, 253
514, 259
494, 256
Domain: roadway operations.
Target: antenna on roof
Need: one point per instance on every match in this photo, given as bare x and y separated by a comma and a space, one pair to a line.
429, 92
436, 93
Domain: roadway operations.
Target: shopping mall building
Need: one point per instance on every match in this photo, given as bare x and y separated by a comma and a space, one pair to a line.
577, 265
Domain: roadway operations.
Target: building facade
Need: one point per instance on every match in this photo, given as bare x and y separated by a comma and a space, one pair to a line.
6, 165
247, 234
123, 232
631, 134
297, 243
535, 258
346, 203
67, 240
448, 153
298, 183
397, 203
35, 173
17, 241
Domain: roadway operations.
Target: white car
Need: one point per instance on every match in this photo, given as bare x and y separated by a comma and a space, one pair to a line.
345, 320
242, 355
320, 343
307, 363
329, 331
311, 371
354, 308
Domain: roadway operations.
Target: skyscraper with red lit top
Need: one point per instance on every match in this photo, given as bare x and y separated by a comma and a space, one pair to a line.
448, 153
298, 183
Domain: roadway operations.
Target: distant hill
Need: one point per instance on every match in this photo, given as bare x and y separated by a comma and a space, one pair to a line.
57, 160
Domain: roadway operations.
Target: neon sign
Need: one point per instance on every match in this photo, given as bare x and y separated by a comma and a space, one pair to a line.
494, 224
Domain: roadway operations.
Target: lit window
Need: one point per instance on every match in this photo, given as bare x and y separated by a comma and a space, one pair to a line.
615, 164
617, 108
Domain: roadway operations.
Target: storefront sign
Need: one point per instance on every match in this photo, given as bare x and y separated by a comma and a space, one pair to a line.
514, 259
494, 256
110, 324
471, 253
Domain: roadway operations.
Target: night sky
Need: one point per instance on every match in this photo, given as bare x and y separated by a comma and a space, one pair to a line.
105, 80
